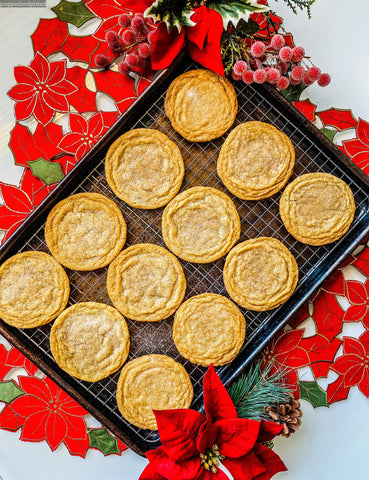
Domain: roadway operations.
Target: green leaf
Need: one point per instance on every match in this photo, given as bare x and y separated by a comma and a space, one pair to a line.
293, 92
48, 172
235, 10
101, 439
174, 14
9, 391
311, 392
329, 132
72, 12
248, 28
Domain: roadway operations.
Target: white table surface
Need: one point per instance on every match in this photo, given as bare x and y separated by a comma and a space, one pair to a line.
333, 442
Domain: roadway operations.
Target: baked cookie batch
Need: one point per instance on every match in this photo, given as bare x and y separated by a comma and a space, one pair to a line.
146, 282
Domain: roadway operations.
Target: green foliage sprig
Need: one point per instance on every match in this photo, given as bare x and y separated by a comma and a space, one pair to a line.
301, 4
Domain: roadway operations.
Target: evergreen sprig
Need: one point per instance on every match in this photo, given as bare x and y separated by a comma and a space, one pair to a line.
253, 392
301, 4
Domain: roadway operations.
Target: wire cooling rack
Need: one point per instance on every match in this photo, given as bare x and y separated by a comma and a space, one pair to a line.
258, 218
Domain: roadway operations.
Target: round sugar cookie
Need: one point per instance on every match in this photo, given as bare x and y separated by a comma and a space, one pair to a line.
200, 224
201, 105
317, 208
144, 168
85, 231
146, 282
209, 328
34, 289
152, 382
256, 160
90, 341
260, 274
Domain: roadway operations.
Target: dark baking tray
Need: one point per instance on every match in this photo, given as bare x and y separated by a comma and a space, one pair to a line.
314, 152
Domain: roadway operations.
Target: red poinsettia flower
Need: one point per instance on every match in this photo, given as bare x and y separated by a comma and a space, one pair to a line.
84, 133
47, 413
203, 41
358, 295
353, 365
358, 148
41, 90
13, 358
189, 439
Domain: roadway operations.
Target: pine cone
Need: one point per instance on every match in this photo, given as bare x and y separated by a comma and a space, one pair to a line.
287, 414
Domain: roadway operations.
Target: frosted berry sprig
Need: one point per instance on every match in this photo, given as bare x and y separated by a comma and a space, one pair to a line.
132, 48
277, 64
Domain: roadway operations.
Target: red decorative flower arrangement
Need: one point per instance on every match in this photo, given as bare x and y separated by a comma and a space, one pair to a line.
194, 446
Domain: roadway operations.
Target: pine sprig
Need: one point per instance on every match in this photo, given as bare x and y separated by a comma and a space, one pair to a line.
301, 4
253, 392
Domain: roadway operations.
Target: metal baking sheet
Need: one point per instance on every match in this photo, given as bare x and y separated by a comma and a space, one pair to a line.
258, 218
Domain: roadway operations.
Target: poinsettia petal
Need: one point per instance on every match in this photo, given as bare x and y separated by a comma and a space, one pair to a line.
41, 66
268, 430
22, 92
353, 346
210, 55
56, 430
171, 470
356, 292
95, 125
355, 313
354, 375
34, 429
197, 33
364, 384
24, 110
343, 363
70, 142
77, 446
42, 112
64, 87
57, 72
150, 474
78, 123
10, 420
363, 131
165, 46
207, 436
76, 427
270, 460
237, 437
27, 405
248, 467
8, 217
55, 101
82, 150
70, 406
217, 402
364, 340
24, 74
35, 386
178, 430
206, 475
15, 199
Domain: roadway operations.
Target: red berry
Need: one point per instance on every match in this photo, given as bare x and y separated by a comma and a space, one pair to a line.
139, 14
116, 47
258, 49
248, 77
150, 35
144, 50
132, 60
298, 53
273, 75
283, 83
128, 37
306, 80
297, 72
124, 20
277, 42
101, 61
294, 81
138, 24
111, 37
123, 68
236, 77
324, 80
285, 54
283, 67
313, 73
239, 68
260, 75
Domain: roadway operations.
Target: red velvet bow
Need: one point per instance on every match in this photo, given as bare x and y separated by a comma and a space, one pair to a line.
185, 434
203, 41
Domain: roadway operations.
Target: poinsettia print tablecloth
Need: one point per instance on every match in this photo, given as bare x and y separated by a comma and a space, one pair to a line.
326, 345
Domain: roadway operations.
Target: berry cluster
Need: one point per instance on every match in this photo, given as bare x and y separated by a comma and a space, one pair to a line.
277, 64
134, 44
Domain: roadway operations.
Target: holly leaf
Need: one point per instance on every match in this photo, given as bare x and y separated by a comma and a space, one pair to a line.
9, 391
293, 92
311, 392
48, 172
174, 15
101, 439
234, 10
72, 12
339, 118
247, 28
329, 132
